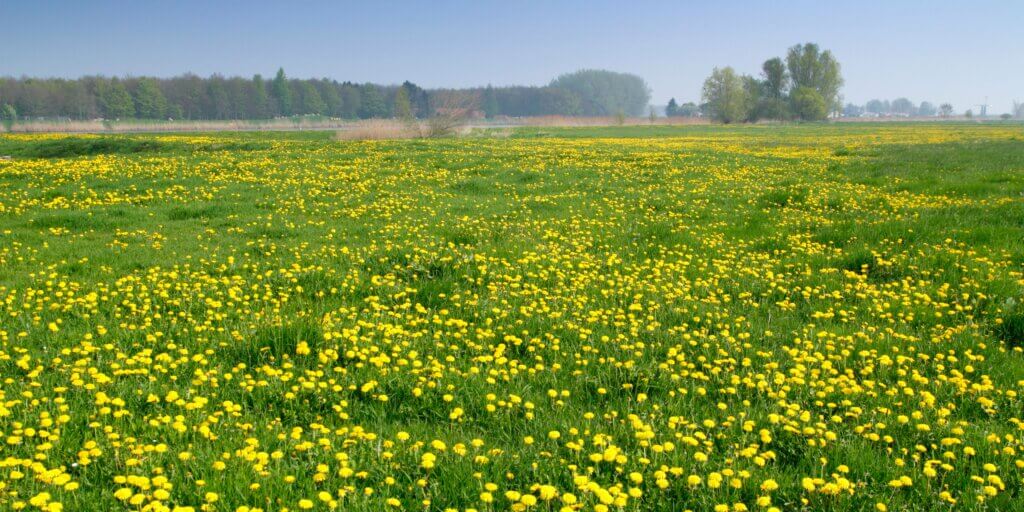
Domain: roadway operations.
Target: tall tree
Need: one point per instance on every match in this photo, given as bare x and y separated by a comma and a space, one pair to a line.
282, 93
945, 110
775, 78
725, 96
809, 66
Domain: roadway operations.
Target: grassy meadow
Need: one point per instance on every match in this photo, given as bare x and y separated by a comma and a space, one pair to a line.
816, 317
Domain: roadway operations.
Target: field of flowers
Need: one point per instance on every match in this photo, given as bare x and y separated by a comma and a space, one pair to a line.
637, 319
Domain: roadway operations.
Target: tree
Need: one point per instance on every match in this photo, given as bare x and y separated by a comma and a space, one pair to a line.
451, 111
1018, 110
926, 109
332, 97
282, 93
373, 105
418, 99
688, 109
774, 85
852, 110
818, 70
115, 101
903, 107
945, 110
752, 101
725, 96
877, 107
216, 104
149, 101
259, 103
403, 108
552, 100
351, 100
8, 115
672, 108
808, 104
776, 80
604, 93
969, 114
312, 103
489, 102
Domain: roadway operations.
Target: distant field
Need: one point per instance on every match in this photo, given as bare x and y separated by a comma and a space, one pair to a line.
819, 317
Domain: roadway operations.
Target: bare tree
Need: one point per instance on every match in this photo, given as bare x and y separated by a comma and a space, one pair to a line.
452, 111
1018, 110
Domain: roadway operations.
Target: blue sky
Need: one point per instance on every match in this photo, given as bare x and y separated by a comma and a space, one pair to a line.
939, 51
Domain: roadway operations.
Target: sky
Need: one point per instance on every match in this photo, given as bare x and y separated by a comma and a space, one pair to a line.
939, 51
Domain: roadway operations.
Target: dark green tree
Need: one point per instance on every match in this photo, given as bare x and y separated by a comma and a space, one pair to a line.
489, 102
672, 108
259, 102
282, 93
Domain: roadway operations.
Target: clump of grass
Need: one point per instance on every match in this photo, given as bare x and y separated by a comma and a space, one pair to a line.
1011, 330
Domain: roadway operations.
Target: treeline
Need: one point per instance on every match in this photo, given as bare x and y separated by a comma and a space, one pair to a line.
586, 92
804, 86
899, 107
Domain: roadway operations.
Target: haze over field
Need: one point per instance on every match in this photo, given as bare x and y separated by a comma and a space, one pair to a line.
941, 52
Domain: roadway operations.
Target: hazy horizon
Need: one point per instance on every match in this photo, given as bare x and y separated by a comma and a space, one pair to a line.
934, 51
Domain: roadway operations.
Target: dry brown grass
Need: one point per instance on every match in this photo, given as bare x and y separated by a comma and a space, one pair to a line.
380, 129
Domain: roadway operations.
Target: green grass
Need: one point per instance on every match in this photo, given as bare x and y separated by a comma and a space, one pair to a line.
308, 299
